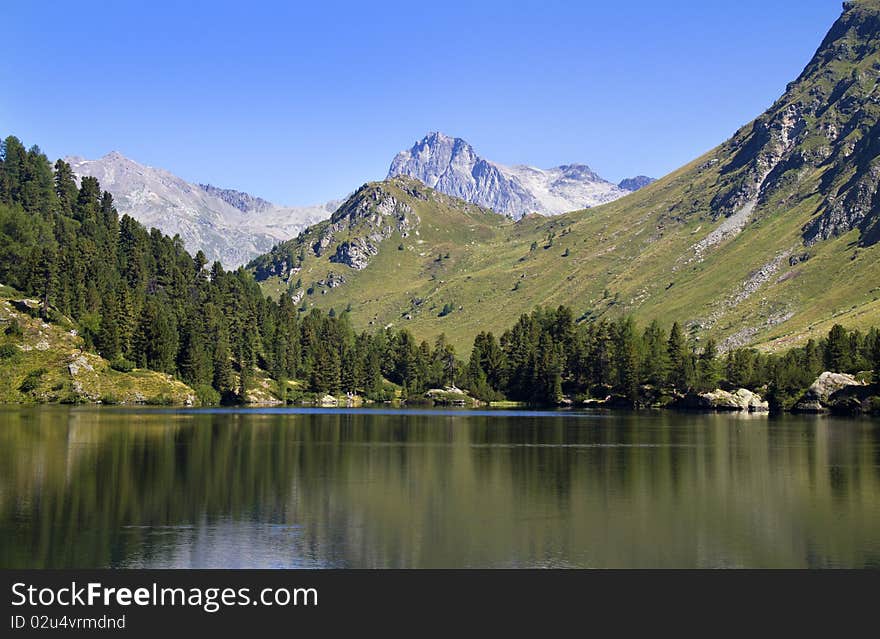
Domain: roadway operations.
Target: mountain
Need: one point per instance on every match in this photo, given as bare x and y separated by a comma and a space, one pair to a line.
227, 225
767, 239
451, 166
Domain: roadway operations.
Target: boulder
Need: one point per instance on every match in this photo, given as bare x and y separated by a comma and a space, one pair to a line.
79, 364
741, 399
328, 401
819, 396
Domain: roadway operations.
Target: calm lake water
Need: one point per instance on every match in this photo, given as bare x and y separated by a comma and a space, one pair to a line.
96, 487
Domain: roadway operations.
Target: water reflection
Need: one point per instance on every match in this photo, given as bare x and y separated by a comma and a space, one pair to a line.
105, 487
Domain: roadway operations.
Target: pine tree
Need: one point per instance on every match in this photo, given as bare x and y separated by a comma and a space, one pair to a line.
46, 275
707, 369
108, 335
838, 355
221, 364
680, 367
626, 360
65, 187
655, 362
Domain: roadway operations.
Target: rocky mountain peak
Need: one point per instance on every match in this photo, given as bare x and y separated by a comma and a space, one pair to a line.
452, 166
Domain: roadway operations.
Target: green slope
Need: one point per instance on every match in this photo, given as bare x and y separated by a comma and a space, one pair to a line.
766, 239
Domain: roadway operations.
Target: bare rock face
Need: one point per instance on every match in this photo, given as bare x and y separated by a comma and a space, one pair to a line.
355, 254
451, 166
370, 217
635, 183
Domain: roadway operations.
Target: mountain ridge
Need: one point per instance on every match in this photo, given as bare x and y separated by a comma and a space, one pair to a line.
207, 218
452, 166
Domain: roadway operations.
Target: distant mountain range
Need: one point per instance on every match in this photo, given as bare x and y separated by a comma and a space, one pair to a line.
235, 227
227, 225
451, 166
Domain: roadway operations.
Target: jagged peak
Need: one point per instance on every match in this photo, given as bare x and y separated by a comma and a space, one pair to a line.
115, 156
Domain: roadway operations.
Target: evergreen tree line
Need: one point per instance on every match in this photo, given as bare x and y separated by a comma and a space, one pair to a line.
548, 355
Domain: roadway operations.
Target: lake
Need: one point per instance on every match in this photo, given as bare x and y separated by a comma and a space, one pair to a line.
253, 488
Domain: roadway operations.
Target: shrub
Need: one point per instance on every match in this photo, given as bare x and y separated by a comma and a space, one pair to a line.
14, 328
207, 395
385, 394
32, 380
122, 365
9, 351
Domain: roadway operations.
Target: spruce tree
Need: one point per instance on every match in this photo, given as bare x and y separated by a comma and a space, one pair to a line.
655, 361
838, 354
707, 370
626, 361
680, 367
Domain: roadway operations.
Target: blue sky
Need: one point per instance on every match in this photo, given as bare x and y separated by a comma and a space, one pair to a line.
300, 103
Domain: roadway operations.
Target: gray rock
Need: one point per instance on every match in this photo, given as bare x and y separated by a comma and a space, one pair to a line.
79, 364
635, 183
329, 401
355, 254
451, 166
740, 400
818, 397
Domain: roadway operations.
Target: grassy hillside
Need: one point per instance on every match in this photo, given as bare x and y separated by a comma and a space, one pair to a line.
767, 239
44, 362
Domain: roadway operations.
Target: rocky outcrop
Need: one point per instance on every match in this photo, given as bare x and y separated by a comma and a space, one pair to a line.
78, 364
635, 183
828, 389
370, 217
451, 166
355, 254
741, 399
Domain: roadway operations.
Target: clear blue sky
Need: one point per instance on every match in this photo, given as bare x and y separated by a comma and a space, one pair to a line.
302, 102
